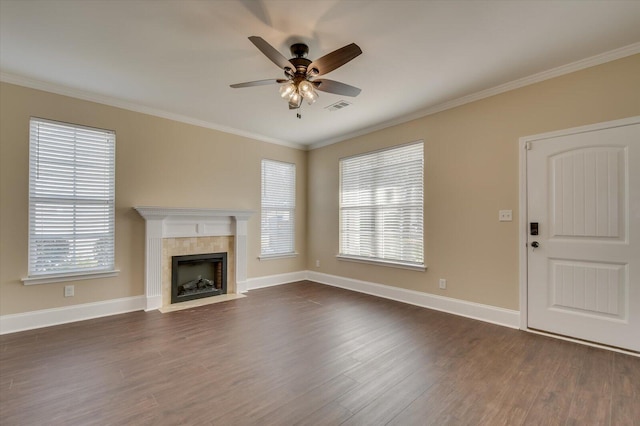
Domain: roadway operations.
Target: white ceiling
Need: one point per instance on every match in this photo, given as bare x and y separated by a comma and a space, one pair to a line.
177, 58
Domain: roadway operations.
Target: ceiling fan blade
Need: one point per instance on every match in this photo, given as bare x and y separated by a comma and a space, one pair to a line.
258, 83
271, 53
332, 86
333, 60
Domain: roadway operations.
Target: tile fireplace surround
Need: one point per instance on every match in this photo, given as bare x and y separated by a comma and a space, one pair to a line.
175, 222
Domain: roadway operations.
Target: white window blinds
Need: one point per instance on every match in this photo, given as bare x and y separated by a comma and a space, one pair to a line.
278, 208
381, 205
71, 198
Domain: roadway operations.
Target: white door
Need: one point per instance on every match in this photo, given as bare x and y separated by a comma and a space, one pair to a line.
583, 278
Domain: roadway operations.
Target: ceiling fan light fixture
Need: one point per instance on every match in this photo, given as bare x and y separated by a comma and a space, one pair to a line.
311, 97
295, 98
287, 90
308, 92
295, 102
305, 87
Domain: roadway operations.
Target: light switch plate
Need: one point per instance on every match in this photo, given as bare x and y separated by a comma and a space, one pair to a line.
505, 215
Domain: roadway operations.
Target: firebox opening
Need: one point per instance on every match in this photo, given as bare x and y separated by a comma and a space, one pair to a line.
197, 276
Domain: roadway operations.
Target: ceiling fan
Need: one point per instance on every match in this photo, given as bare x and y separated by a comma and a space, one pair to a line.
300, 82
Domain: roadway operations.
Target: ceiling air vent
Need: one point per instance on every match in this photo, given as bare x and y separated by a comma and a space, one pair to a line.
338, 105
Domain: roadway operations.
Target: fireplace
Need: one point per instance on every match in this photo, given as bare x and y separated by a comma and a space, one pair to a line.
169, 226
197, 276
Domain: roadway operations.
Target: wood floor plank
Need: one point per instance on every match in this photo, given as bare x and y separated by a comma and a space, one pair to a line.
467, 389
308, 354
592, 401
625, 395
553, 401
395, 399
299, 408
365, 393
329, 415
511, 405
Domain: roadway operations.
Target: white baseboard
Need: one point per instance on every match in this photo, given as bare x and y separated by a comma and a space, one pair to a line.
48, 317
486, 313
153, 303
241, 287
271, 280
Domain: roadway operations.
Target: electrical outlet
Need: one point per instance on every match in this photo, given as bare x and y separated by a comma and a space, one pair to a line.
317, 263
505, 215
442, 283
69, 290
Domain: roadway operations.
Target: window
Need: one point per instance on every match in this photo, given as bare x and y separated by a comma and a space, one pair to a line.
278, 208
381, 206
71, 199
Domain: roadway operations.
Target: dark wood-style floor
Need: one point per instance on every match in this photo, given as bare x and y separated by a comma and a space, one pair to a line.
310, 354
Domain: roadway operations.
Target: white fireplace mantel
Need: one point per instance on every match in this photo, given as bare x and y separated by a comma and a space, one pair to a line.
176, 222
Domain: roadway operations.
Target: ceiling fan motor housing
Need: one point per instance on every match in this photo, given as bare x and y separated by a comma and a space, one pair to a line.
299, 50
301, 65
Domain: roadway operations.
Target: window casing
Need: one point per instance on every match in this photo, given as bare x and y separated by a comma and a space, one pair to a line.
278, 209
381, 206
71, 199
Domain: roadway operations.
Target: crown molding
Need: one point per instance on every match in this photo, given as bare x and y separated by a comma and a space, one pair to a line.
131, 106
161, 213
592, 61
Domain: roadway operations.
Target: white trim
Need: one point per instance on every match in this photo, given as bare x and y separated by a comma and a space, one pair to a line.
492, 314
499, 316
629, 121
63, 315
59, 89
131, 106
583, 342
277, 256
522, 232
176, 222
495, 315
160, 213
48, 317
382, 262
273, 280
153, 303
523, 220
599, 59
57, 278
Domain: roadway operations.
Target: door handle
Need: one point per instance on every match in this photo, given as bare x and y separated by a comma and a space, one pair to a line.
535, 245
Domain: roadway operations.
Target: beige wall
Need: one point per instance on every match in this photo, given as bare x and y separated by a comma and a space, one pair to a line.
159, 162
471, 172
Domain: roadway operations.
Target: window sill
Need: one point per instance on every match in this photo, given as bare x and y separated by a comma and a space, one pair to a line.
277, 256
57, 278
379, 262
